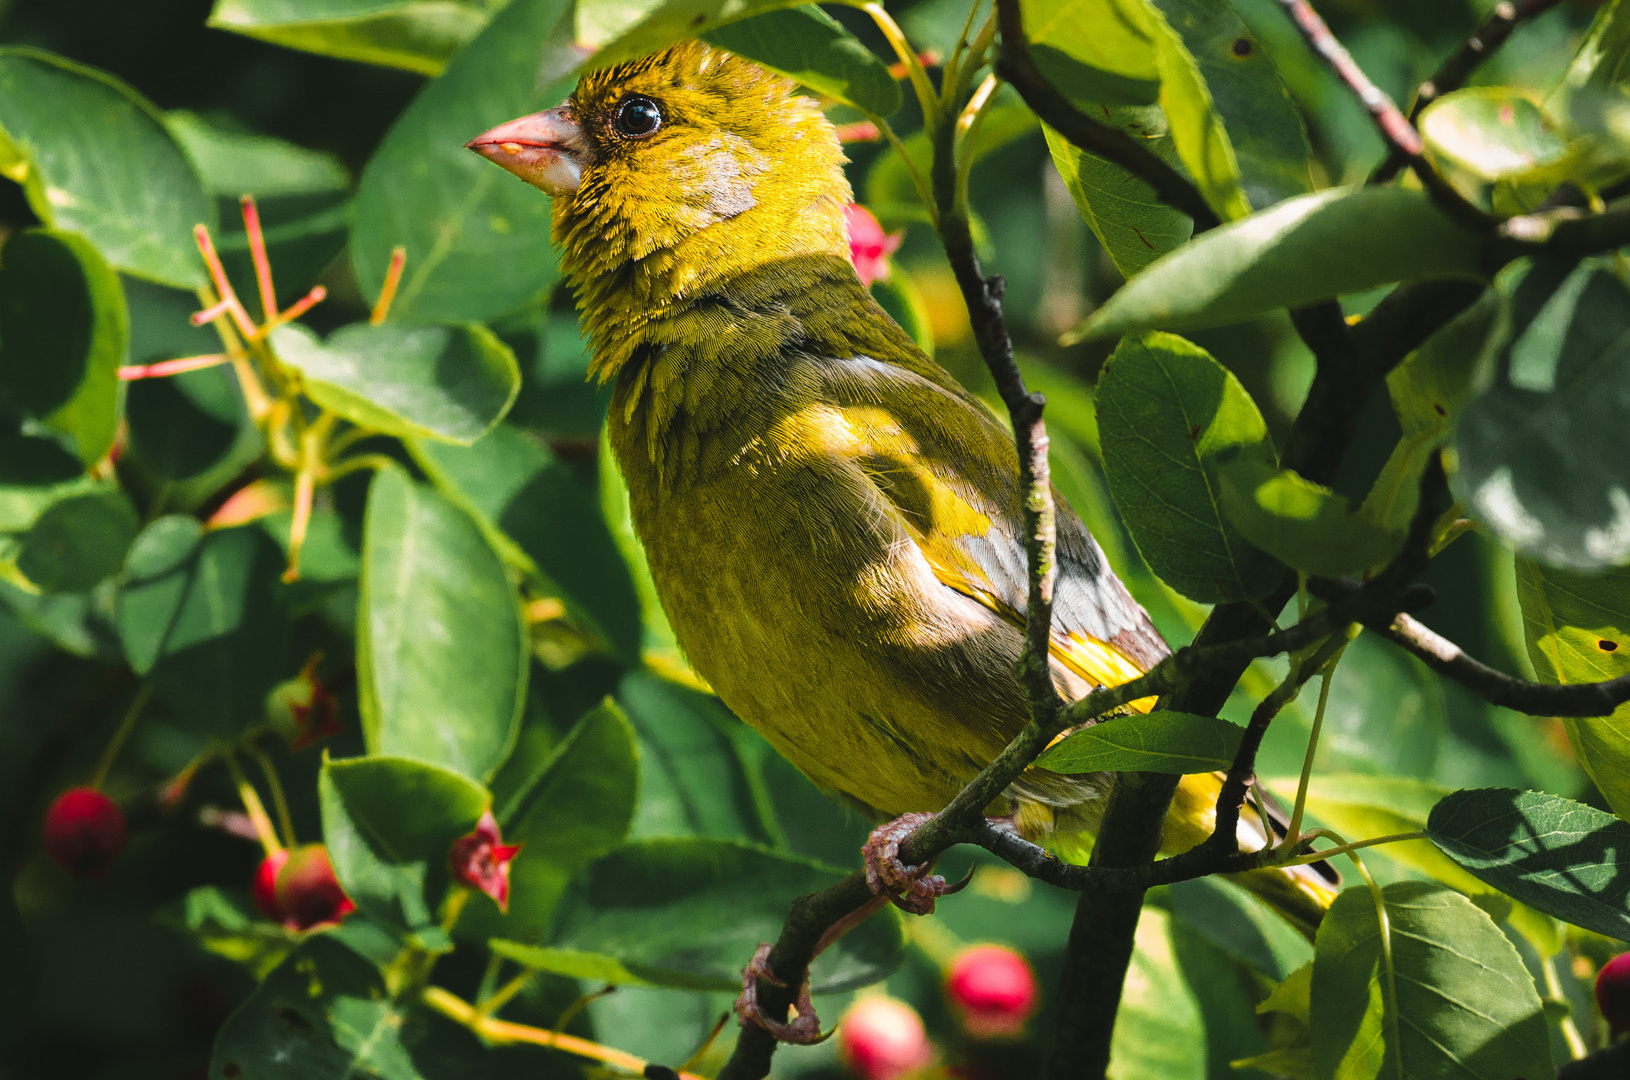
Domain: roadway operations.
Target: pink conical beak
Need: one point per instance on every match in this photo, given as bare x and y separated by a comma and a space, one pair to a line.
546, 149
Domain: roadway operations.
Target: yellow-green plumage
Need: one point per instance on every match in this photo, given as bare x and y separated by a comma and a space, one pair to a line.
832, 522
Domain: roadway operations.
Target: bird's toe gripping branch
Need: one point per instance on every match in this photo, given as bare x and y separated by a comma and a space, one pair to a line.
805, 1029
910, 888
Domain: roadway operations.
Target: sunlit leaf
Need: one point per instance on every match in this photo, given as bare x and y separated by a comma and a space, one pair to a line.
1305, 525
419, 35
808, 45
1164, 742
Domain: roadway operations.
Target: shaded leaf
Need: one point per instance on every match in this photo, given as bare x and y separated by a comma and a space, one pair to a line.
1304, 525
684, 912
441, 382
1240, 925
78, 542
809, 46
1126, 216
441, 651
1577, 628
76, 137
1554, 854
64, 332
419, 35
1168, 415
1159, 1031
1310, 248
477, 238
1163, 742
233, 163
184, 426
1466, 1005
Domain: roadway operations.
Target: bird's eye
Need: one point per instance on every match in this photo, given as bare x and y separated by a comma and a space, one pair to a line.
638, 117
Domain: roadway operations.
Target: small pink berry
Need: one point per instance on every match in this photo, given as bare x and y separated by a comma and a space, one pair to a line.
869, 246
307, 890
992, 991
1613, 993
264, 889
882, 1038
84, 830
481, 860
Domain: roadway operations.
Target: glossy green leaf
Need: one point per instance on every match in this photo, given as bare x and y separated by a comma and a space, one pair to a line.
1263, 125
440, 382
204, 620
1097, 52
573, 808
477, 238
1490, 133
1466, 1006
1168, 415
544, 519
683, 912
1163, 742
1577, 627
1130, 221
389, 824
1159, 1031
77, 138
1304, 525
419, 35
1554, 854
1540, 460
1310, 248
442, 650
64, 332
233, 163
809, 46
78, 542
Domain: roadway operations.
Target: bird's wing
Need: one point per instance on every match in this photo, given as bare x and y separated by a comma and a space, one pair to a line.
950, 469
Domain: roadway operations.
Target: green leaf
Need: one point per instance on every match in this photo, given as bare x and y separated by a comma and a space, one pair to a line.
1554, 854
1488, 133
1577, 627
684, 912
233, 163
442, 650
620, 30
79, 542
80, 137
1304, 525
1159, 1031
890, 192
418, 35
324, 1014
1466, 1006
1097, 52
1168, 414
1240, 925
64, 332
1310, 248
1540, 460
440, 382
1130, 221
477, 238
809, 46
389, 824
184, 426
1263, 125
572, 809
203, 619
572, 963
1163, 742
545, 520
227, 927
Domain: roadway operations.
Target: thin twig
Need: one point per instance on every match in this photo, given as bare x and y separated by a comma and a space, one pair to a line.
1455, 70
1015, 66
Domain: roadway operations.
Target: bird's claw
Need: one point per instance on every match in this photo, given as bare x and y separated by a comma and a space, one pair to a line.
910, 888
805, 1029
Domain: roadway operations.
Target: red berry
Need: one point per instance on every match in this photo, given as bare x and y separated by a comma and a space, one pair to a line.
1613, 993
84, 830
882, 1038
264, 889
307, 890
481, 860
992, 991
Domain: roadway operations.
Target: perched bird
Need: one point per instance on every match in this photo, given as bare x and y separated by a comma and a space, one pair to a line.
832, 522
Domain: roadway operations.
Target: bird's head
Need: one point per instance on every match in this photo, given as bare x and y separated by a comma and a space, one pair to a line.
678, 170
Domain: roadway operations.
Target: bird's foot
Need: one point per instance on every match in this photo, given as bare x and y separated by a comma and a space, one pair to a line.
805, 1029
910, 888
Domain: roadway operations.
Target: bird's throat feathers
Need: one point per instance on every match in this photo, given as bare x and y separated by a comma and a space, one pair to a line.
741, 173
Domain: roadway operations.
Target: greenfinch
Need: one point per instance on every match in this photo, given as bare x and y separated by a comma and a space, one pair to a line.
833, 524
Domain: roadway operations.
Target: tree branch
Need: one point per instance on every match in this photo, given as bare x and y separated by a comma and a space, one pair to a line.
1455, 70
1015, 66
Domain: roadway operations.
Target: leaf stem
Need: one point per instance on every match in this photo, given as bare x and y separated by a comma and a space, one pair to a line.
253, 806
127, 724
280, 802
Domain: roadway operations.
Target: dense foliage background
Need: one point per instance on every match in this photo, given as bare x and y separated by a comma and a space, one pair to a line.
508, 640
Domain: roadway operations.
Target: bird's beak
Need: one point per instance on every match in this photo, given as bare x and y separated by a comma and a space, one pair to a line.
546, 149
